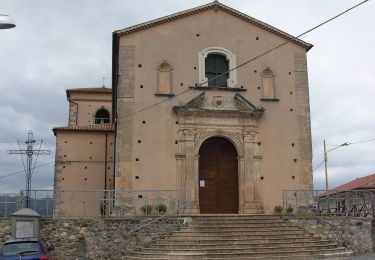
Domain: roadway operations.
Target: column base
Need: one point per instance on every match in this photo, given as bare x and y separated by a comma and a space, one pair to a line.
254, 207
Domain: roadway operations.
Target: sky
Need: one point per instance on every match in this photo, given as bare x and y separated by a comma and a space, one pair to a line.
64, 44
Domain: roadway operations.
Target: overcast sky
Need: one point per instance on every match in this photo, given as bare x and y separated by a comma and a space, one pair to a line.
65, 44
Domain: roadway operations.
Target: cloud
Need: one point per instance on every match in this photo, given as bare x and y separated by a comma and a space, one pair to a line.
67, 44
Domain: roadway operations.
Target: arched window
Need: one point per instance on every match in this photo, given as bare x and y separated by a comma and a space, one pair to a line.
102, 116
216, 70
268, 84
214, 61
165, 78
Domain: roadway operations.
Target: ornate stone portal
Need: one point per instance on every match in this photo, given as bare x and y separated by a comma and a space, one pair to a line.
220, 114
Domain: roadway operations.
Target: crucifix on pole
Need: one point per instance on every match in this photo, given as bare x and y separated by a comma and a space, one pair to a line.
29, 167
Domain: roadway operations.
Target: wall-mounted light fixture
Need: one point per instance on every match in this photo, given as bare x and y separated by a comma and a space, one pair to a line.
6, 22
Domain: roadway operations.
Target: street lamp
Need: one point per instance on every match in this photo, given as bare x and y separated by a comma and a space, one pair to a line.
326, 158
6, 22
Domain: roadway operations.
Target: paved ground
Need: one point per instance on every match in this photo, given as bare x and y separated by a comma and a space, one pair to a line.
364, 257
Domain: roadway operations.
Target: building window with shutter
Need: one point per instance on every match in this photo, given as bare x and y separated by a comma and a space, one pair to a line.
215, 67
216, 70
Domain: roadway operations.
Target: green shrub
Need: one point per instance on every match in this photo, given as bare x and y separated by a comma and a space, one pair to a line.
161, 208
278, 209
146, 209
289, 209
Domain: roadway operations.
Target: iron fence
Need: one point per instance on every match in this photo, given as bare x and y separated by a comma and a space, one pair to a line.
97, 203
9, 203
348, 203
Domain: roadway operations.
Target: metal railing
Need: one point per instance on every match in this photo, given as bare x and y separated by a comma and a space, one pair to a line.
346, 203
312, 215
9, 203
178, 212
97, 203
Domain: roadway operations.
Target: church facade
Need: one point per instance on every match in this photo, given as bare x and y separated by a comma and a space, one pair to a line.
213, 103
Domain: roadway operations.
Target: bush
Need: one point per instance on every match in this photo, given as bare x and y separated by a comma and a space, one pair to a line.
278, 209
161, 208
289, 209
146, 209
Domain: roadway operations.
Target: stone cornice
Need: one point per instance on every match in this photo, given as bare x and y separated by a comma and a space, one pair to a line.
215, 113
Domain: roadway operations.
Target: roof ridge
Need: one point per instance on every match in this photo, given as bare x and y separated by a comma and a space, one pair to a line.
213, 5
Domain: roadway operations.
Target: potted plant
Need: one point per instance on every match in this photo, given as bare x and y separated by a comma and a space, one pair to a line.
161, 208
146, 209
278, 209
289, 209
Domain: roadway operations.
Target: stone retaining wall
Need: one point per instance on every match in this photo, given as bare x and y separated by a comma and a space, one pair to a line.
108, 239
103, 238
5, 230
357, 234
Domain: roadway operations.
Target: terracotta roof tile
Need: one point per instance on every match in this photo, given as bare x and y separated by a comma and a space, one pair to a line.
358, 183
101, 89
217, 6
90, 128
367, 182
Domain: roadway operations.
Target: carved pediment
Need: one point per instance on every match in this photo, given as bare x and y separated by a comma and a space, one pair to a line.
219, 105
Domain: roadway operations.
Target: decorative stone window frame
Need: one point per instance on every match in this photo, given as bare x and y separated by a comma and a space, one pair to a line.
231, 58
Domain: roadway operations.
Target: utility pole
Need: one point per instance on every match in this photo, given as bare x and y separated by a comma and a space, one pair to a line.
29, 168
325, 163
326, 158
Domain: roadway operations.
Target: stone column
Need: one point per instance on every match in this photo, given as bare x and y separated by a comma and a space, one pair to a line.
252, 158
190, 166
303, 119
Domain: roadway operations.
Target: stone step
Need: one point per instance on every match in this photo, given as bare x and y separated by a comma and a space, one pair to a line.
236, 241
238, 228
237, 244
250, 237
238, 232
235, 216
243, 222
234, 225
235, 253
239, 219
226, 249
330, 256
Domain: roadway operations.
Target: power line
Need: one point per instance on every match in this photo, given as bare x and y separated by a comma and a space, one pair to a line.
347, 143
18, 172
320, 164
364, 141
248, 61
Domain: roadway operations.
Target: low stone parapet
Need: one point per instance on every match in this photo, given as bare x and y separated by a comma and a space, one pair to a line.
358, 234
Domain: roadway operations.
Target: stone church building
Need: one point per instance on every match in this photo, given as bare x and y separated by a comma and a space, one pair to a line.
201, 105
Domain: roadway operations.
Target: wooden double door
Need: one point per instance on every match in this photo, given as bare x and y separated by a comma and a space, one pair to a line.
218, 177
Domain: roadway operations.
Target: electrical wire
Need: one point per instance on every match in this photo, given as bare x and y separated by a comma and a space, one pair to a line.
18, 172
364, 141
348, 143
248, 61
320, 164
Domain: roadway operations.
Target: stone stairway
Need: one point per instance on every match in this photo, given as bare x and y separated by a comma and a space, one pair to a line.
240, 237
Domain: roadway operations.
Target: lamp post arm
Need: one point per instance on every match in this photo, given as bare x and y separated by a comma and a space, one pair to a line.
326, 158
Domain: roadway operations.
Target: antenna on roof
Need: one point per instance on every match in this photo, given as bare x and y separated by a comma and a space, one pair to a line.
103, 79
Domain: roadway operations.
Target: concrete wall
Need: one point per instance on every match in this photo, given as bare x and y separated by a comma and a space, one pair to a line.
84, 161
146, 142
